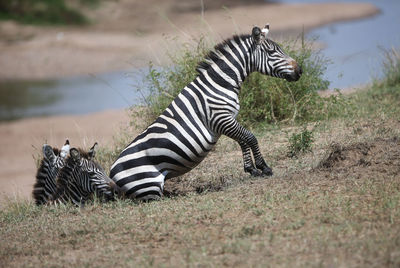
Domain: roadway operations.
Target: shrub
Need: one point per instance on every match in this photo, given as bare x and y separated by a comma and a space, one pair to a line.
262, 98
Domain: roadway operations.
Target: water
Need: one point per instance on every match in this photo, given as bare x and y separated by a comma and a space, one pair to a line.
78, 95
353, 47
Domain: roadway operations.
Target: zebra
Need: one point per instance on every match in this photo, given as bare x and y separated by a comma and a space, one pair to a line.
81, 178
53, 160
181, 137
70, 176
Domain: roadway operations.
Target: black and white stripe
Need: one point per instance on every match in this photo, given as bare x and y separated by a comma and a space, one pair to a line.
185, 132
53, 160
81, 178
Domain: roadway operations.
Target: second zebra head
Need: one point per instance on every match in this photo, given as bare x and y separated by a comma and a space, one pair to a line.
81, 177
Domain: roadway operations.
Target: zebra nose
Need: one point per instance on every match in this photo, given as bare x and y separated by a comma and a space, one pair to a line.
299, 70
296, 68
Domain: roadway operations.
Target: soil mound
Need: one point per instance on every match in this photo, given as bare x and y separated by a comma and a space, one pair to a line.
379, 155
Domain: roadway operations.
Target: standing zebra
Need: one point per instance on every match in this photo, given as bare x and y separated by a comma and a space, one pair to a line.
181, 137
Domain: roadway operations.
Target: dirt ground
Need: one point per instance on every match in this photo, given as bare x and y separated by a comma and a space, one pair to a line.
123, 34
376, 158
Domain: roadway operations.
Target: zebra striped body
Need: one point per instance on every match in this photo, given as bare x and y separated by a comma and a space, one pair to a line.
182, 136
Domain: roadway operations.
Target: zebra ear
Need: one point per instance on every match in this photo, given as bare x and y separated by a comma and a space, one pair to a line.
92, 151
265, 30
65, 149
258, 35
75, 154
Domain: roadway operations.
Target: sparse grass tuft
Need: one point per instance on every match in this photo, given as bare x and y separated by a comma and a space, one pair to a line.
391, 68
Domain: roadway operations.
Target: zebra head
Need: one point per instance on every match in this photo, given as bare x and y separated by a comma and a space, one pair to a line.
270, 59
88, 175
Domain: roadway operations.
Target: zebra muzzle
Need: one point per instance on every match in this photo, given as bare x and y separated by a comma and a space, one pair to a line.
295, 74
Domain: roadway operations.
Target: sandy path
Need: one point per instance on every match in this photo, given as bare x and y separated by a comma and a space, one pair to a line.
115, 43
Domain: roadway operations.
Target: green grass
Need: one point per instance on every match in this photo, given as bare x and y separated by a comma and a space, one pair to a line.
43, 12
346, 214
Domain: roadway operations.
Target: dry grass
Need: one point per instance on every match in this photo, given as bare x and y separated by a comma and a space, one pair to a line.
343, 214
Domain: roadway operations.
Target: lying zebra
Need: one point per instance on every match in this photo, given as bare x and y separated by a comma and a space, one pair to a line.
70, 179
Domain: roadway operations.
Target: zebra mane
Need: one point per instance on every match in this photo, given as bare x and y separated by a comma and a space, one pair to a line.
56, 151
220, 48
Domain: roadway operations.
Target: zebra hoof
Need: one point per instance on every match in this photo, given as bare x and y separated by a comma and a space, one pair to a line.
255, 172
267, 171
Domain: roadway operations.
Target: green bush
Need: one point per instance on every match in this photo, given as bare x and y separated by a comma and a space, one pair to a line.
42, 12
300, 143
263, 99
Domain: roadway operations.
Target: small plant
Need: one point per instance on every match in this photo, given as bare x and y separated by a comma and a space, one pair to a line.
300, 143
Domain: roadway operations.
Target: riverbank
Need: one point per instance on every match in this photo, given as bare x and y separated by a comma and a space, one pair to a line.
59, 52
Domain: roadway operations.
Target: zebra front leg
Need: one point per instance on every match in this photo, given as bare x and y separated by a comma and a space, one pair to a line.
248, 161
249, 144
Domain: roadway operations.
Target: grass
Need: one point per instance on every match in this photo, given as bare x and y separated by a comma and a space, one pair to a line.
337, 205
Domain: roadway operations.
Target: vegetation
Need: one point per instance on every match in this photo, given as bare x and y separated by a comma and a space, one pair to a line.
337, 205
165, 83
43, 12
391, 68
300, 142
263, 99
